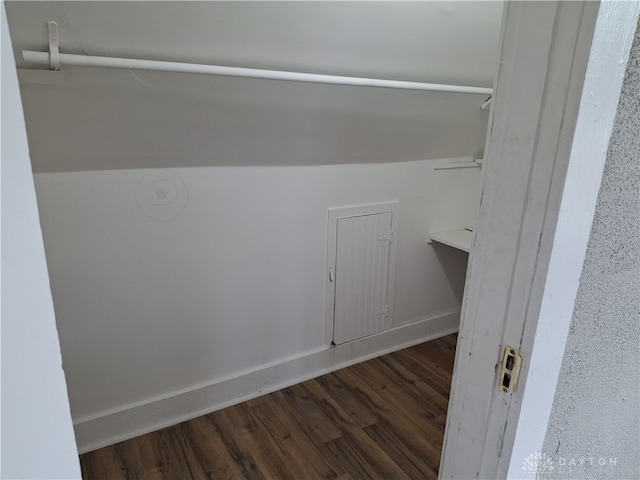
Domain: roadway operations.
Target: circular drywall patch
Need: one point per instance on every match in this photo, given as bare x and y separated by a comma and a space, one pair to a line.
161, 195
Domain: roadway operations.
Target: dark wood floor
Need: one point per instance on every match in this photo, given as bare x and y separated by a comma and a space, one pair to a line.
380, 419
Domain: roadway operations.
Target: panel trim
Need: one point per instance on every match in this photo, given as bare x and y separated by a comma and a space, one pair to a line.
361, 276
332, 246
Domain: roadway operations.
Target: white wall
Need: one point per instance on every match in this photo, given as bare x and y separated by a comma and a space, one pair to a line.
159, 318
236, 281
36, 433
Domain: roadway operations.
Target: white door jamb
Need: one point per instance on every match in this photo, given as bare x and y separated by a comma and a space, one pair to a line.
539, 193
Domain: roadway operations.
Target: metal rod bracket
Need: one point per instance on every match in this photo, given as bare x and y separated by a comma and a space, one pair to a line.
54, 51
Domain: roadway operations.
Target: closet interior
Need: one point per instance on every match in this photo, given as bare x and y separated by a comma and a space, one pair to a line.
215, 235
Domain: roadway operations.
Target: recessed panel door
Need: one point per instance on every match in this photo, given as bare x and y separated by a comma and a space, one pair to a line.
363, 248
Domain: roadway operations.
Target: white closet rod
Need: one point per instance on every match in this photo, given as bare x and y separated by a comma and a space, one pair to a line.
46, 58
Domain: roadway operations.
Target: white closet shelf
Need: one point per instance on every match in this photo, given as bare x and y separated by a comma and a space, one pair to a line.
460, 239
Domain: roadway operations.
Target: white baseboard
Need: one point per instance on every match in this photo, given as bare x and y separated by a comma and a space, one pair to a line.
114, 426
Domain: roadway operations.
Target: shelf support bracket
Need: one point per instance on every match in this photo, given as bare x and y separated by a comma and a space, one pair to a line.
486, 103
54, 51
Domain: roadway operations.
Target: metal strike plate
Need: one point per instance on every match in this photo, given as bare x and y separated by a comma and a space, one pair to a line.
510, 372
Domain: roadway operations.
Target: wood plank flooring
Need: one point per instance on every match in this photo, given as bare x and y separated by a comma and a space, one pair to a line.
381, 419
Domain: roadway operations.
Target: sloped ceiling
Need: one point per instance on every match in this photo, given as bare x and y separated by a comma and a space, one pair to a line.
104, 119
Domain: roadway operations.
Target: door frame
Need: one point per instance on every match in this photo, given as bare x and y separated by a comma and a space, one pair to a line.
338, 213
555, 99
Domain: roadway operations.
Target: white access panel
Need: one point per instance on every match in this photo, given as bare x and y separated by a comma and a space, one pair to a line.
361, 271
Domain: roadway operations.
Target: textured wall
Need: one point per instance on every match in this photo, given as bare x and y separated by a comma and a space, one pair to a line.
594, 426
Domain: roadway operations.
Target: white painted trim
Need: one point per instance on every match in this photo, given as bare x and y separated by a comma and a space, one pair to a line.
366, 209
3, 20
613, 36
545, 48
332, 237
106, 428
